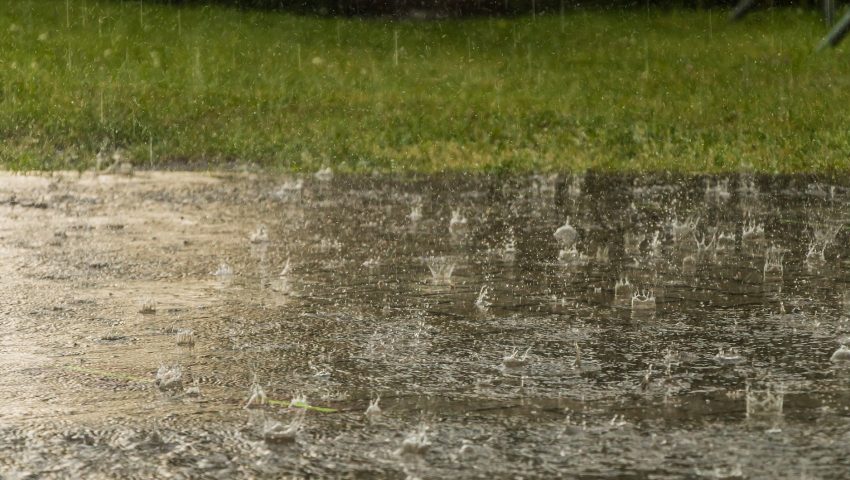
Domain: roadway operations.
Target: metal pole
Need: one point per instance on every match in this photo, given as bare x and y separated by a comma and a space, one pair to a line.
741, 9
838, 32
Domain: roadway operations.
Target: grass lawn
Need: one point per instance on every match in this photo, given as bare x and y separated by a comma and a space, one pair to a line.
633, 90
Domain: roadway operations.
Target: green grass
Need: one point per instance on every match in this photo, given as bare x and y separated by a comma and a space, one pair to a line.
680, 90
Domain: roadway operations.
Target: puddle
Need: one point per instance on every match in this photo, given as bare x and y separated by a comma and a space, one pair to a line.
194, 325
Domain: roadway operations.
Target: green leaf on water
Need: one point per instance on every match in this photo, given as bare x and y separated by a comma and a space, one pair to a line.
287, 403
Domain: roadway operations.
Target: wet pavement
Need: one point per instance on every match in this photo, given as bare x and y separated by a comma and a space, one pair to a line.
193, 325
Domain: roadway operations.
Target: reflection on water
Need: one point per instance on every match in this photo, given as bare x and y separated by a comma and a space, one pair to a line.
605, 326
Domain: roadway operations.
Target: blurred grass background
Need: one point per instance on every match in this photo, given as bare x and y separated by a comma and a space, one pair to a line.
205, 86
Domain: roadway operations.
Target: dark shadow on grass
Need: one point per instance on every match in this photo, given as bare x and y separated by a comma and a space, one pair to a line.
447, 8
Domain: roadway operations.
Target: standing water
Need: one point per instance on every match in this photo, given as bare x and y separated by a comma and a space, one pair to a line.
146, 332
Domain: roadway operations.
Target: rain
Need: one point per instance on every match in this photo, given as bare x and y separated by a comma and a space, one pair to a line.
189, 294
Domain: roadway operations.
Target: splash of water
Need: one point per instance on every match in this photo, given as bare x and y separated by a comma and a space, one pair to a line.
416, 443
415, 213
572, 257
729, 357
441, 269
623, 291
458, 223
169, 378
481, 303
773, 257
290, 189
260, 235
643, 302
148, 306
842, 355
515, 359
725, 242
374, 410
717, 192
256, 395
767, 402
277, 432
632, 242
752, 233
655, 245
683, 231
324, 175
224, 270
186, 337
566, 235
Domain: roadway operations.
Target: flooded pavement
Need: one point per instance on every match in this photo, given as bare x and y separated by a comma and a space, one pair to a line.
186, 325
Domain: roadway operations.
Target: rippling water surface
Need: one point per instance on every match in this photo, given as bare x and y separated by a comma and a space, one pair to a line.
492, 346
